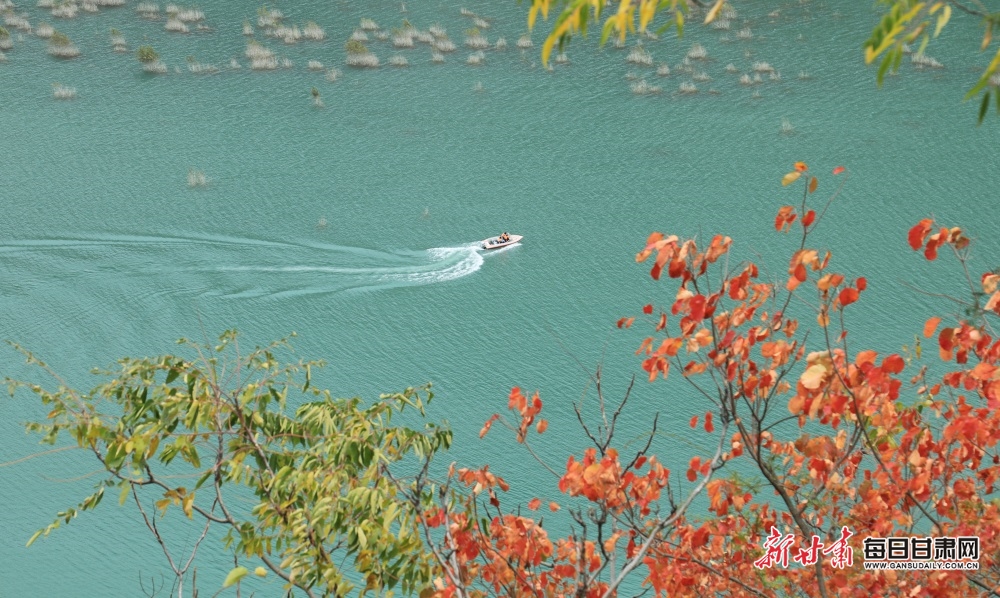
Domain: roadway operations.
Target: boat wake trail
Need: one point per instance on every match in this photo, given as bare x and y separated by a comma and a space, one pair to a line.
228, 267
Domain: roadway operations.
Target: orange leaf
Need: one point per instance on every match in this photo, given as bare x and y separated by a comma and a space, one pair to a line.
647, 309
609, 544
813, 183
534, 503
790, 178
801, 167
553, 507
813, 377
542, 425
990, 282
786, 216
893, 364
864, 357
862, 283
694, 422
810, 216
488, 425
708, 423
800, 273
946, 343
839, 170
930, 326
848, 296
930, 252
919, 232
993, 303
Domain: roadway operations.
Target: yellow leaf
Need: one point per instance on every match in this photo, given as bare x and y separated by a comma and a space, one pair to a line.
234, 576
790, 178
887, 41
647, 11
943, 20
537, 5
813, 376
260, 572
714, 12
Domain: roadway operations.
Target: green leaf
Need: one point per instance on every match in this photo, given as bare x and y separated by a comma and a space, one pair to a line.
886, 62
923, 45
202, 479
983, 107
34, 537
235, 575
606, 31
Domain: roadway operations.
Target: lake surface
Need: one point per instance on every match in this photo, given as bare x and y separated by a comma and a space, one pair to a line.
105, 250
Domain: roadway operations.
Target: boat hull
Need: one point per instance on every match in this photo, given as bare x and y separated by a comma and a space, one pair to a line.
494, 242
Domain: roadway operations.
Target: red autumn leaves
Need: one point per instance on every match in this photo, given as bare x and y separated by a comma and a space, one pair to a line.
921, 234
864, 454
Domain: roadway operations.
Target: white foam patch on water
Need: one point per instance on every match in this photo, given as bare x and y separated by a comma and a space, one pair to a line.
451, 263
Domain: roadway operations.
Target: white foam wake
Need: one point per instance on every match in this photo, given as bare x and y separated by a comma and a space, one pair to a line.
445, 266
238, 268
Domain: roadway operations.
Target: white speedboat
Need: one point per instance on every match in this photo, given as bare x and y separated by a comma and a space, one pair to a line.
496, 243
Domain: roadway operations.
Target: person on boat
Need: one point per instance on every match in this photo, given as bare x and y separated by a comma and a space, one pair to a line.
504, 237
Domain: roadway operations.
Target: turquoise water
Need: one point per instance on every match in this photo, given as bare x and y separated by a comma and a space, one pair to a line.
105, 251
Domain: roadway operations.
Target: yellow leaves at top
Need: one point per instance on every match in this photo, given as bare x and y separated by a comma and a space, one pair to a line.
715, 11
624, 20
536, 6
577, 13
647, 10
943, 17
891, 27
572, 20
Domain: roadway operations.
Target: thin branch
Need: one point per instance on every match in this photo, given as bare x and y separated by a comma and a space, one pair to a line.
637, 559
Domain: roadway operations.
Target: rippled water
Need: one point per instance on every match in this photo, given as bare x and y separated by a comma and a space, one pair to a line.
105, 251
